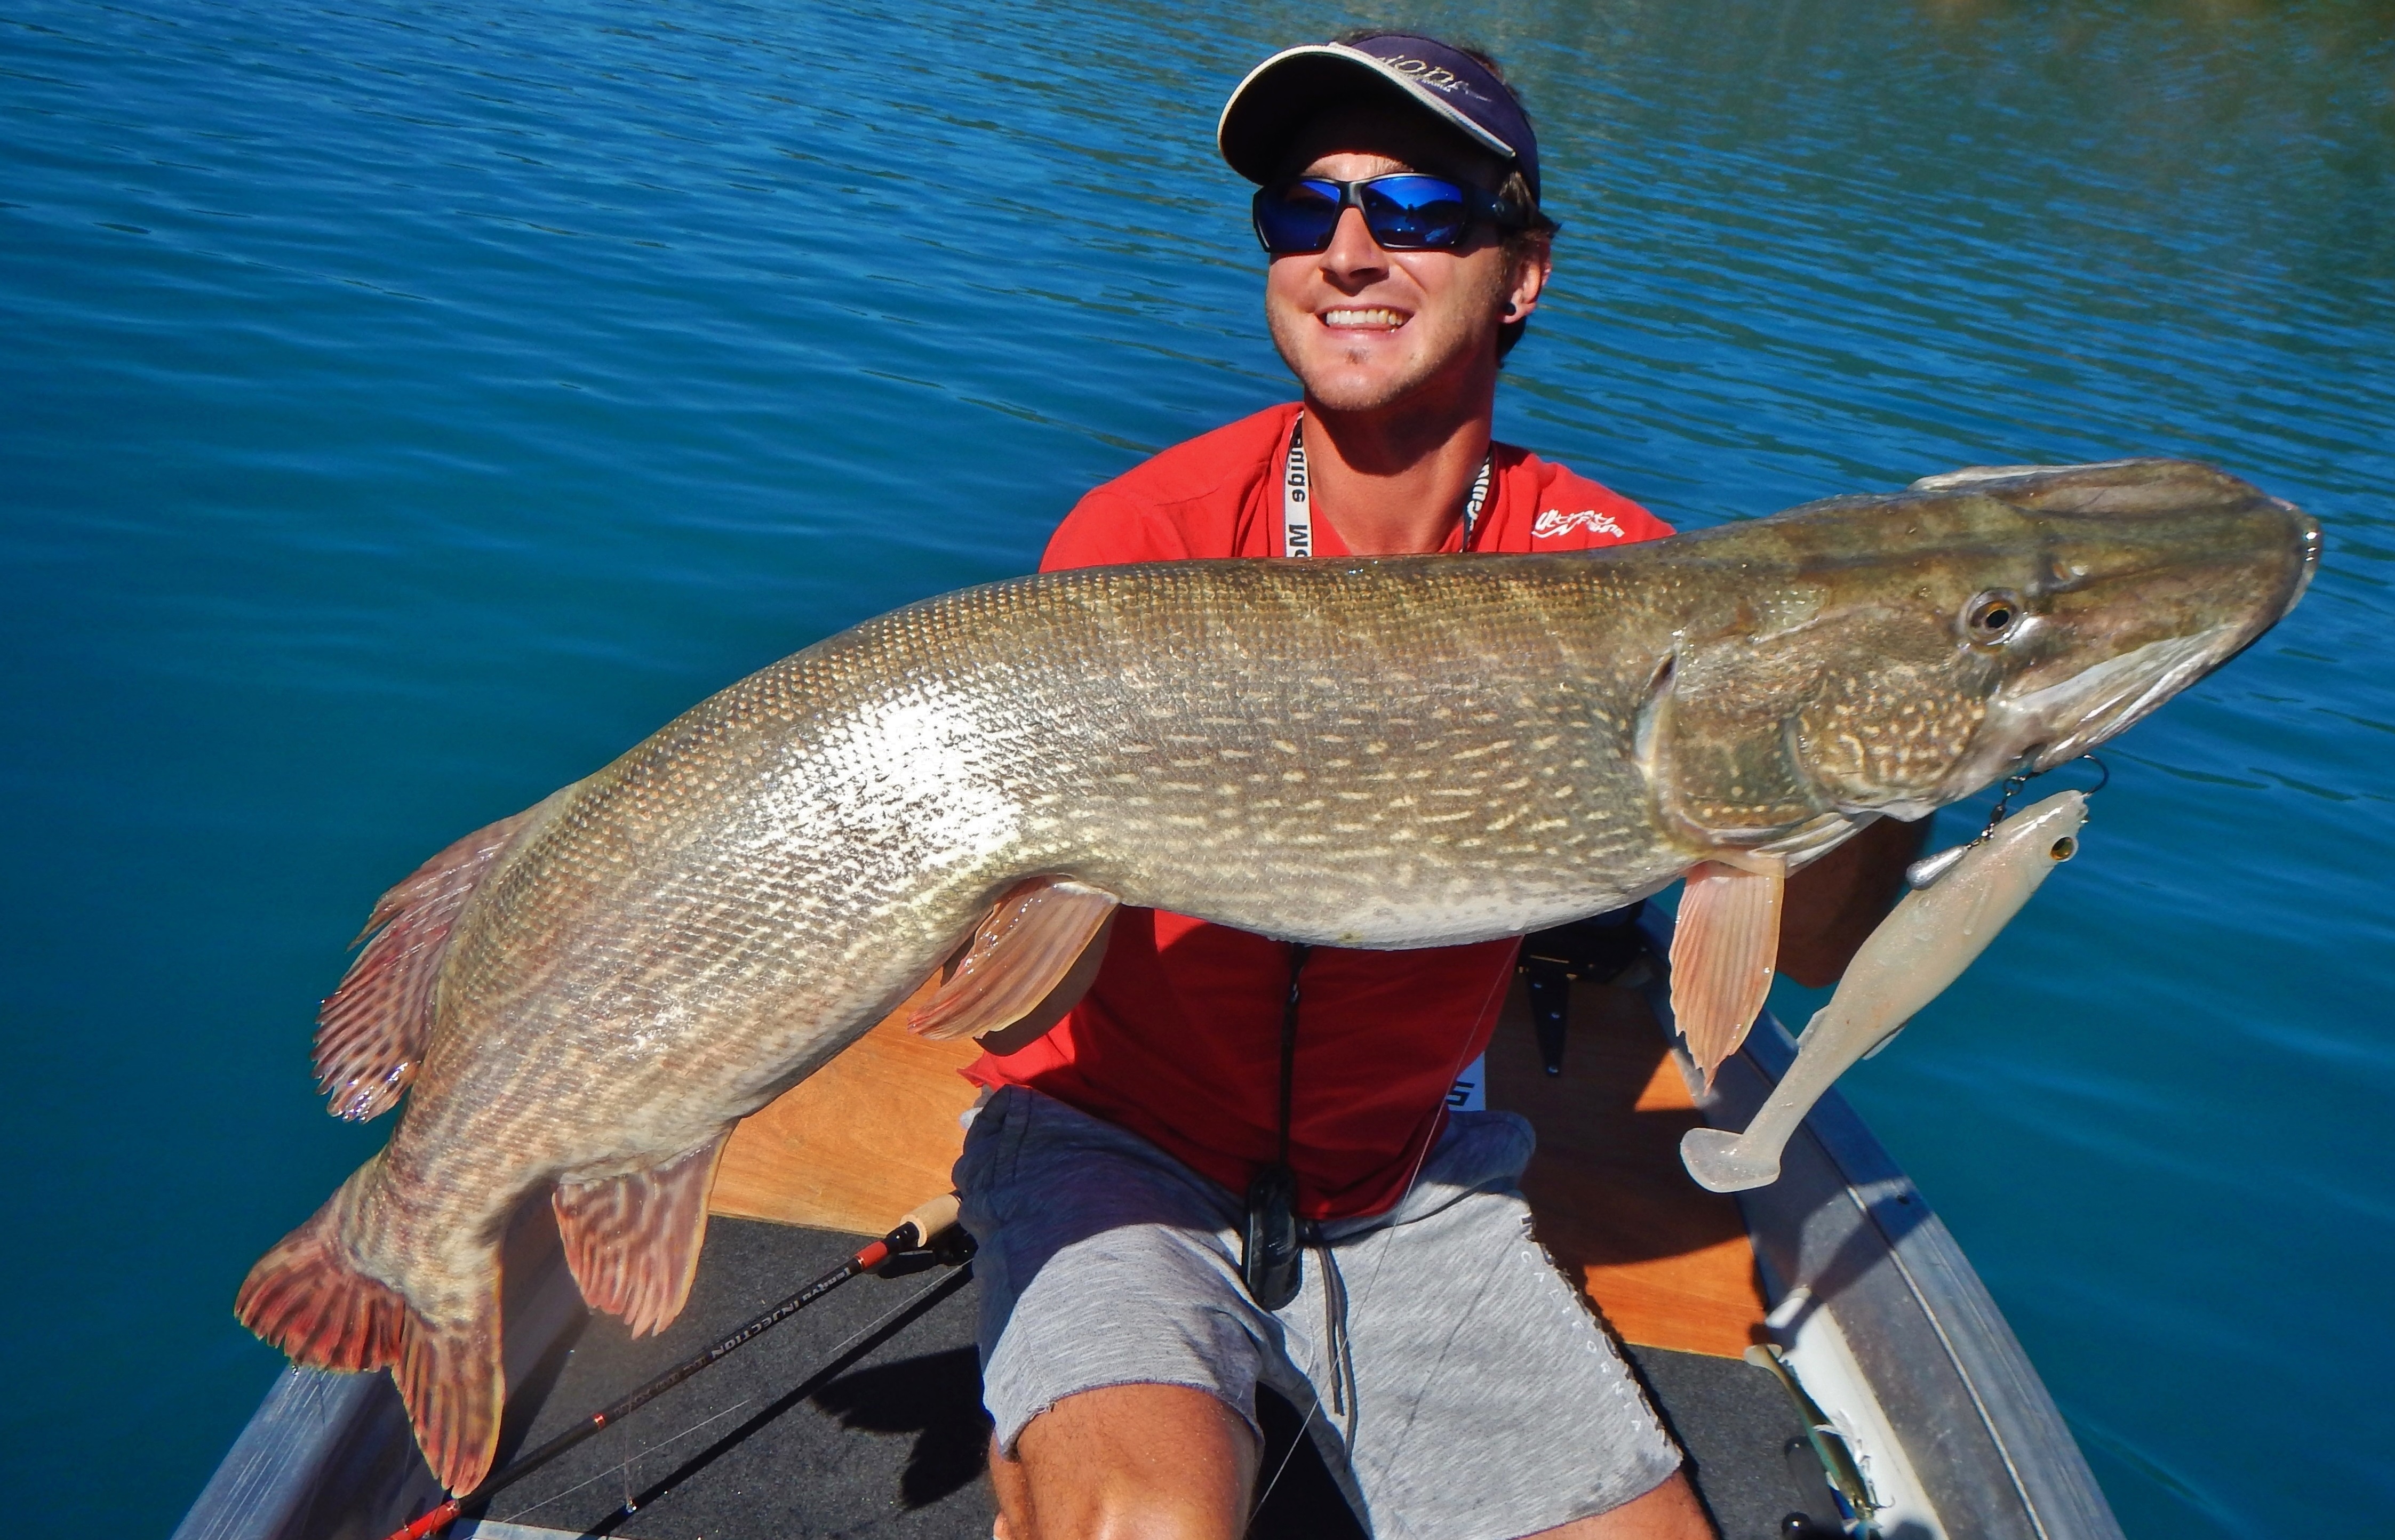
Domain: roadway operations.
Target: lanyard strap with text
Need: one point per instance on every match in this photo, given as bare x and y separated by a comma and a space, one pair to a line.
1296, 507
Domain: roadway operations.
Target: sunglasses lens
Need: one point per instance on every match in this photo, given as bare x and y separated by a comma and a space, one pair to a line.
1296, 217
1414, 213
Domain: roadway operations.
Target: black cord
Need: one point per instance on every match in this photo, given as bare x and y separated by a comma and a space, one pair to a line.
1297, 956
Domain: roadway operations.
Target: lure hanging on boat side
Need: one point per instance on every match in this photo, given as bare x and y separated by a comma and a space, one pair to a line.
1932, 934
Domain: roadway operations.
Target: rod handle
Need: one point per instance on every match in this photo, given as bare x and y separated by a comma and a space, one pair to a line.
931, 1218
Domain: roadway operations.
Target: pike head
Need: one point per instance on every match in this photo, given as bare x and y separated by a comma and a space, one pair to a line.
1892, 654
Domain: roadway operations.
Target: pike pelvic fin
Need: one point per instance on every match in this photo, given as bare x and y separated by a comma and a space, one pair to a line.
371, 1030
633, 1241
307, 1297
1722, 949
1021, 952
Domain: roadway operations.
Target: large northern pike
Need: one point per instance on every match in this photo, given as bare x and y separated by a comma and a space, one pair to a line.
1395, 753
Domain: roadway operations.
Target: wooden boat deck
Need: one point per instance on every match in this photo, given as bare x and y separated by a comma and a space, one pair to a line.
874, 1132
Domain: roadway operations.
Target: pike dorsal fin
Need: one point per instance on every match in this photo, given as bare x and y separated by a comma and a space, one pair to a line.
632, 1241
1723, 951
1021, 952
371, 1030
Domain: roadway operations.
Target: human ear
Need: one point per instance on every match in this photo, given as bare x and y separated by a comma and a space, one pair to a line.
1532, 264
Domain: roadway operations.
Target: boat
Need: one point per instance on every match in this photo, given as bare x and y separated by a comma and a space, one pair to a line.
1821, 1347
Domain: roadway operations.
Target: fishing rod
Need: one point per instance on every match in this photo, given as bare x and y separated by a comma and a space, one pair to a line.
913, 1234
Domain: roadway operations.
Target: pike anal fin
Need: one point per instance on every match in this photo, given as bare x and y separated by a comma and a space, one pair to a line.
632, 1241
1723, 951
305, 1298
1019, 953
371, 1031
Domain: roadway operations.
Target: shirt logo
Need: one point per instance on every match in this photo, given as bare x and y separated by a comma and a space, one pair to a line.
1554, 521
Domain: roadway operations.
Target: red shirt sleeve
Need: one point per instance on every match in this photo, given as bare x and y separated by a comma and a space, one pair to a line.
1107, 529
1204, 498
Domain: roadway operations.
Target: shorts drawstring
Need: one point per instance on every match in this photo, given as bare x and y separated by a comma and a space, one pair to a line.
1341, 1361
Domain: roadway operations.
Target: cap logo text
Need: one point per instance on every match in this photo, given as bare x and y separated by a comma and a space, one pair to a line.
1436, 77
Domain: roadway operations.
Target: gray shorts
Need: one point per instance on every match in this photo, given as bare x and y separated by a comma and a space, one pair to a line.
1462, 1390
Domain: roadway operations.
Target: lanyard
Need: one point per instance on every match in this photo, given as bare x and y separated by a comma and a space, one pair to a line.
1296, 497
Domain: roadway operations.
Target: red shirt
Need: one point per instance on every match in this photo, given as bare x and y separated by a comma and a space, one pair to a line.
1178, 1040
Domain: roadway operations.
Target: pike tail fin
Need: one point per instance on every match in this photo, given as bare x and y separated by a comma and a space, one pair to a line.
450, 1377
1023, 949
305, 1298
1723, 951
632, 1242
371, 1030
308, 1298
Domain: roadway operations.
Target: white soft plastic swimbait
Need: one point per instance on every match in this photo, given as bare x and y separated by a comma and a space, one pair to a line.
1923, 946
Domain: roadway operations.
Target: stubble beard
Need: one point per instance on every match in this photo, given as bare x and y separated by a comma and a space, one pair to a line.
1339, 384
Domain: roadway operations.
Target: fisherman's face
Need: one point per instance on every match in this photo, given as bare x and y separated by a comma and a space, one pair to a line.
1364, 328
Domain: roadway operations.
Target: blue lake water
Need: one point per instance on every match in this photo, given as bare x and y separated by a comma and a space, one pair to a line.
405, 407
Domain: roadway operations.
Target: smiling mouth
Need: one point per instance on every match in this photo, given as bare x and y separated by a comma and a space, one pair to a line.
1363, 319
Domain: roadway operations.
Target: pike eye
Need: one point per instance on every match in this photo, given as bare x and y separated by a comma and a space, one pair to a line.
1992, 616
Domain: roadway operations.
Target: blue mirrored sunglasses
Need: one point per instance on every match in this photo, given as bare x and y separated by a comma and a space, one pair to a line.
1406, 211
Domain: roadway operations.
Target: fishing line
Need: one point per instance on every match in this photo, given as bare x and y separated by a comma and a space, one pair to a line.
859, 1346
626, 1463
1413, 1177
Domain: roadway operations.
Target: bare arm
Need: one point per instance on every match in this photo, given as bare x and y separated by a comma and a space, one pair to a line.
1832, 905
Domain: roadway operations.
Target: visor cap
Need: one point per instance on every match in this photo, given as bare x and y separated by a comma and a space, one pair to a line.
1281, 94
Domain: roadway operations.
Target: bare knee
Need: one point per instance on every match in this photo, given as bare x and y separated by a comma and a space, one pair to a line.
1156, 1462
1669, 1512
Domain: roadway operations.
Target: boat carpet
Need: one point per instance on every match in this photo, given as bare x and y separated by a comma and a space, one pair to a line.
765, 1445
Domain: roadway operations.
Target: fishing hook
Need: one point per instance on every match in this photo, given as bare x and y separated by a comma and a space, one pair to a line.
1928, 869
2013, 784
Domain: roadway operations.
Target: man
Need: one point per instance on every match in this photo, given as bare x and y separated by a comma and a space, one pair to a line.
1190, 1088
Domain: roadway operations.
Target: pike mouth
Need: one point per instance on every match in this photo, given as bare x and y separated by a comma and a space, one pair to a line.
2060, 722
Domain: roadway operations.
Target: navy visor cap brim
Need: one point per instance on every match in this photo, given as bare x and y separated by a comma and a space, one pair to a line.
1280, 96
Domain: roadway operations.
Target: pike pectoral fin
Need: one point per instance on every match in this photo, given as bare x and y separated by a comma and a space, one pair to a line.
1722, 953
308, 1298
1030, 941
632, 1241
370, 1033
